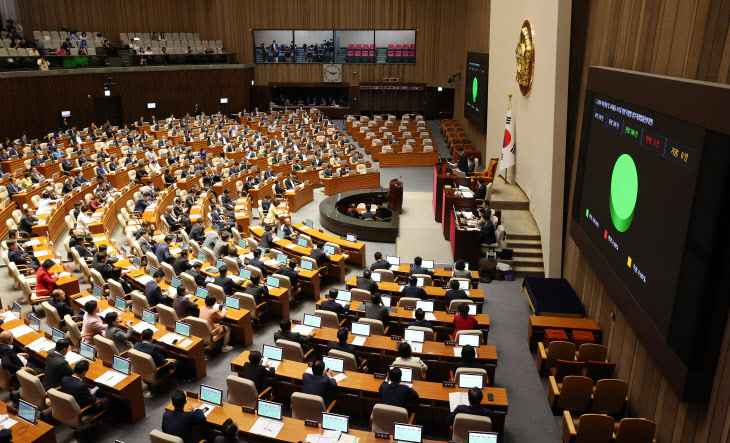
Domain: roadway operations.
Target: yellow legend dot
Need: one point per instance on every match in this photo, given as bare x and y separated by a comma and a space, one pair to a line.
628, 263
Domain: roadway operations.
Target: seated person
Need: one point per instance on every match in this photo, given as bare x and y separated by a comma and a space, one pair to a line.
455, 293
460, 270
214, 314
379, 263
158, 355
74, 386
114, 332
342, 345
473, 408
319, 255
366, 282
289, 271
285, 333
256, 372
183, 306
418, 269
20, 257
152, 289
463, 321
376, 310
395, 394
468, 358
411, 290
195, 273
331, 305
319, 382
257, 263
57, 366
420, 322
225, 282
406, 358
229, 432
488, 235
180, 423
12, 361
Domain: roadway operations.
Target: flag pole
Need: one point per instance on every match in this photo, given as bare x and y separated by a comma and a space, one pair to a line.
509, 106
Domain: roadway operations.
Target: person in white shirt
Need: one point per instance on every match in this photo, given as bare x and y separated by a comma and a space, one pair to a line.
82, 222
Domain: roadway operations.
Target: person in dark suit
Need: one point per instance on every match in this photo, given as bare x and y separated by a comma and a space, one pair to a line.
181, 263
225, 282
376, 310
368, 215
286, 334
152, 289
342, 345
257, 263
471, 166
463, 162
13, 189
18, 256
455, 293
142, 203
331, 304
289, 270
411, 290
103, 266
57, 366
158, 355
319, 382
468, 358
418, 269
197, 233
12, 361
379, 263
162, 250
180, 423
366, 282
74, 386
57, 300
27, 221
327, 173
319, 255
258, 291
395, 394
256, 372
487, 235
481, 193
195, 273
267, 238
68, 186
473, 408
420, 316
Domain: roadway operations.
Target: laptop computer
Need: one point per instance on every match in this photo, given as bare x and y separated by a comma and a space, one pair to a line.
314, 321
406, 374
34, 323
306, 265
269, 409
428, 264
272, 282
425, 305
351, 237
148, 316
329, 249
245, 274
272, 355
175, 282
232, 302
56, 334
394, 262
334, 364
468, 381
211, 395
464, 285
26, 412
473, 340
362, 329
376, 276
120, 364
120, 304
201, 292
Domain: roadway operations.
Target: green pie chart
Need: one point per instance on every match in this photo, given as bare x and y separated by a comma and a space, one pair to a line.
624, 192
474, 88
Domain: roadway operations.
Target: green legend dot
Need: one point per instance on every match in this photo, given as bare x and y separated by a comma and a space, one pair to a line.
624, 192
587, 212
474, 88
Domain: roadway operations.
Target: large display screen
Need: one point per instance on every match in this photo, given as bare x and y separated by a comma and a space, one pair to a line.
638, 187
475, 88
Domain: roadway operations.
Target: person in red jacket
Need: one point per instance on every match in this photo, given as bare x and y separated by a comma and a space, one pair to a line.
462, 320
45, 279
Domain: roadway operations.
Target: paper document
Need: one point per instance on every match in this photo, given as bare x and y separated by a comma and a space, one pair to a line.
340, 377
503, 266
8, 423
267, 427
302, 329
82, 301
358, 341
304, 228
347, 438
21, 330
416, 347
170, 337
64, 274
207, 409
141, 326
291, 246
457, 351
8, 315
103, 313
185, 343
456, 399
175, 251
144, 279
110, 378
271, 262
236, 278
32, 242
72, 357
342, 303
41, 253
41, 345
428, 315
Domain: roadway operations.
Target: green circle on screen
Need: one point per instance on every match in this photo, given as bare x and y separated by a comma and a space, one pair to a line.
474, 88
624, 192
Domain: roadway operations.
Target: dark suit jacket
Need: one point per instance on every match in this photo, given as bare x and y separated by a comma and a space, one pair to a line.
57, 368
257, 291
78, 390
153, 293
397, 394
420, 270
267, 240
318, 385
257, 374
181, 265
333, 306
197, 233
481, 193
321, 257
414, 291
256, 263
199, 279
158, 355
26, 223
463, 364
422, 324
9, 359
455, 295
286, 271
381, 264
180, 423
162, 251
105, 270
228, 285
346, 347
471, 410
464, 163
487, 234
367, 284
293, 336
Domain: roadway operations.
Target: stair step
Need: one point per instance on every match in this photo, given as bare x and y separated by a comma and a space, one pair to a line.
523, 243
513, 236
510, 205
527, 252
527, 261
529, 271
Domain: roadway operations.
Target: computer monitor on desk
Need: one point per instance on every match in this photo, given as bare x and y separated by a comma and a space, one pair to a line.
376, 276
394, 262
121, 365
407, 433
335, 422
269, 409
211, 395
482, 437
182, 329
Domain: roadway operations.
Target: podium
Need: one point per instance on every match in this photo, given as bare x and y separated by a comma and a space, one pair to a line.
395, 195
443, 176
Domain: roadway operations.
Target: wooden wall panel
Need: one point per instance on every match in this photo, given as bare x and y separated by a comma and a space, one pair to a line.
684, 38
38, 100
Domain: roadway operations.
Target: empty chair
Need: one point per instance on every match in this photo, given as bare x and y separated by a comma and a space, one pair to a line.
308, 407
167, 316
248, 302
592, 352
384, 417
329, 319
376, 326
563, 350
73, 331
31, 296
460, 371
465, 423
31, 390
105, 349
635, 430
160, 437
293, 351
386, 275
575, 393
589, 428
610, 397
428, 333
360, 295
469, 332
598, 370
53, 320
67, 411
242, 392
411, 302
139, 303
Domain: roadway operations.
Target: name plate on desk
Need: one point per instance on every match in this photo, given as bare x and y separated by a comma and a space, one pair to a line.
311, 424
382, 435
396, 337
191, 394
379, 376
450, 312
450, 343
408, 308
449, 384
296, 322
248, 410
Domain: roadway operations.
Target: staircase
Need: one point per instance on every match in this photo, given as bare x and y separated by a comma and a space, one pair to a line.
527, 260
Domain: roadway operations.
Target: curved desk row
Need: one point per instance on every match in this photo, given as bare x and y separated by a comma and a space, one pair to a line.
351, 182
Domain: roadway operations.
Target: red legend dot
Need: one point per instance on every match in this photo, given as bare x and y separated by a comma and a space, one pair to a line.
605, 234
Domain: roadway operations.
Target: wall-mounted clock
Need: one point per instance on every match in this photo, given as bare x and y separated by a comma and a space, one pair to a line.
332, 73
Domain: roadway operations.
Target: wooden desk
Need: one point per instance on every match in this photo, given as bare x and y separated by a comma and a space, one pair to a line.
299, 197
262, 191
438, 293
355, 250
358, 393
129, 390
440, 275
43, 251
49, 169
193, 354
336, 266
24, 432
109, 217
443, 326
312, 175
408, 159
6, 213
465, 242
537, 324
351, 182
451, 202
441, 179
13, 165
